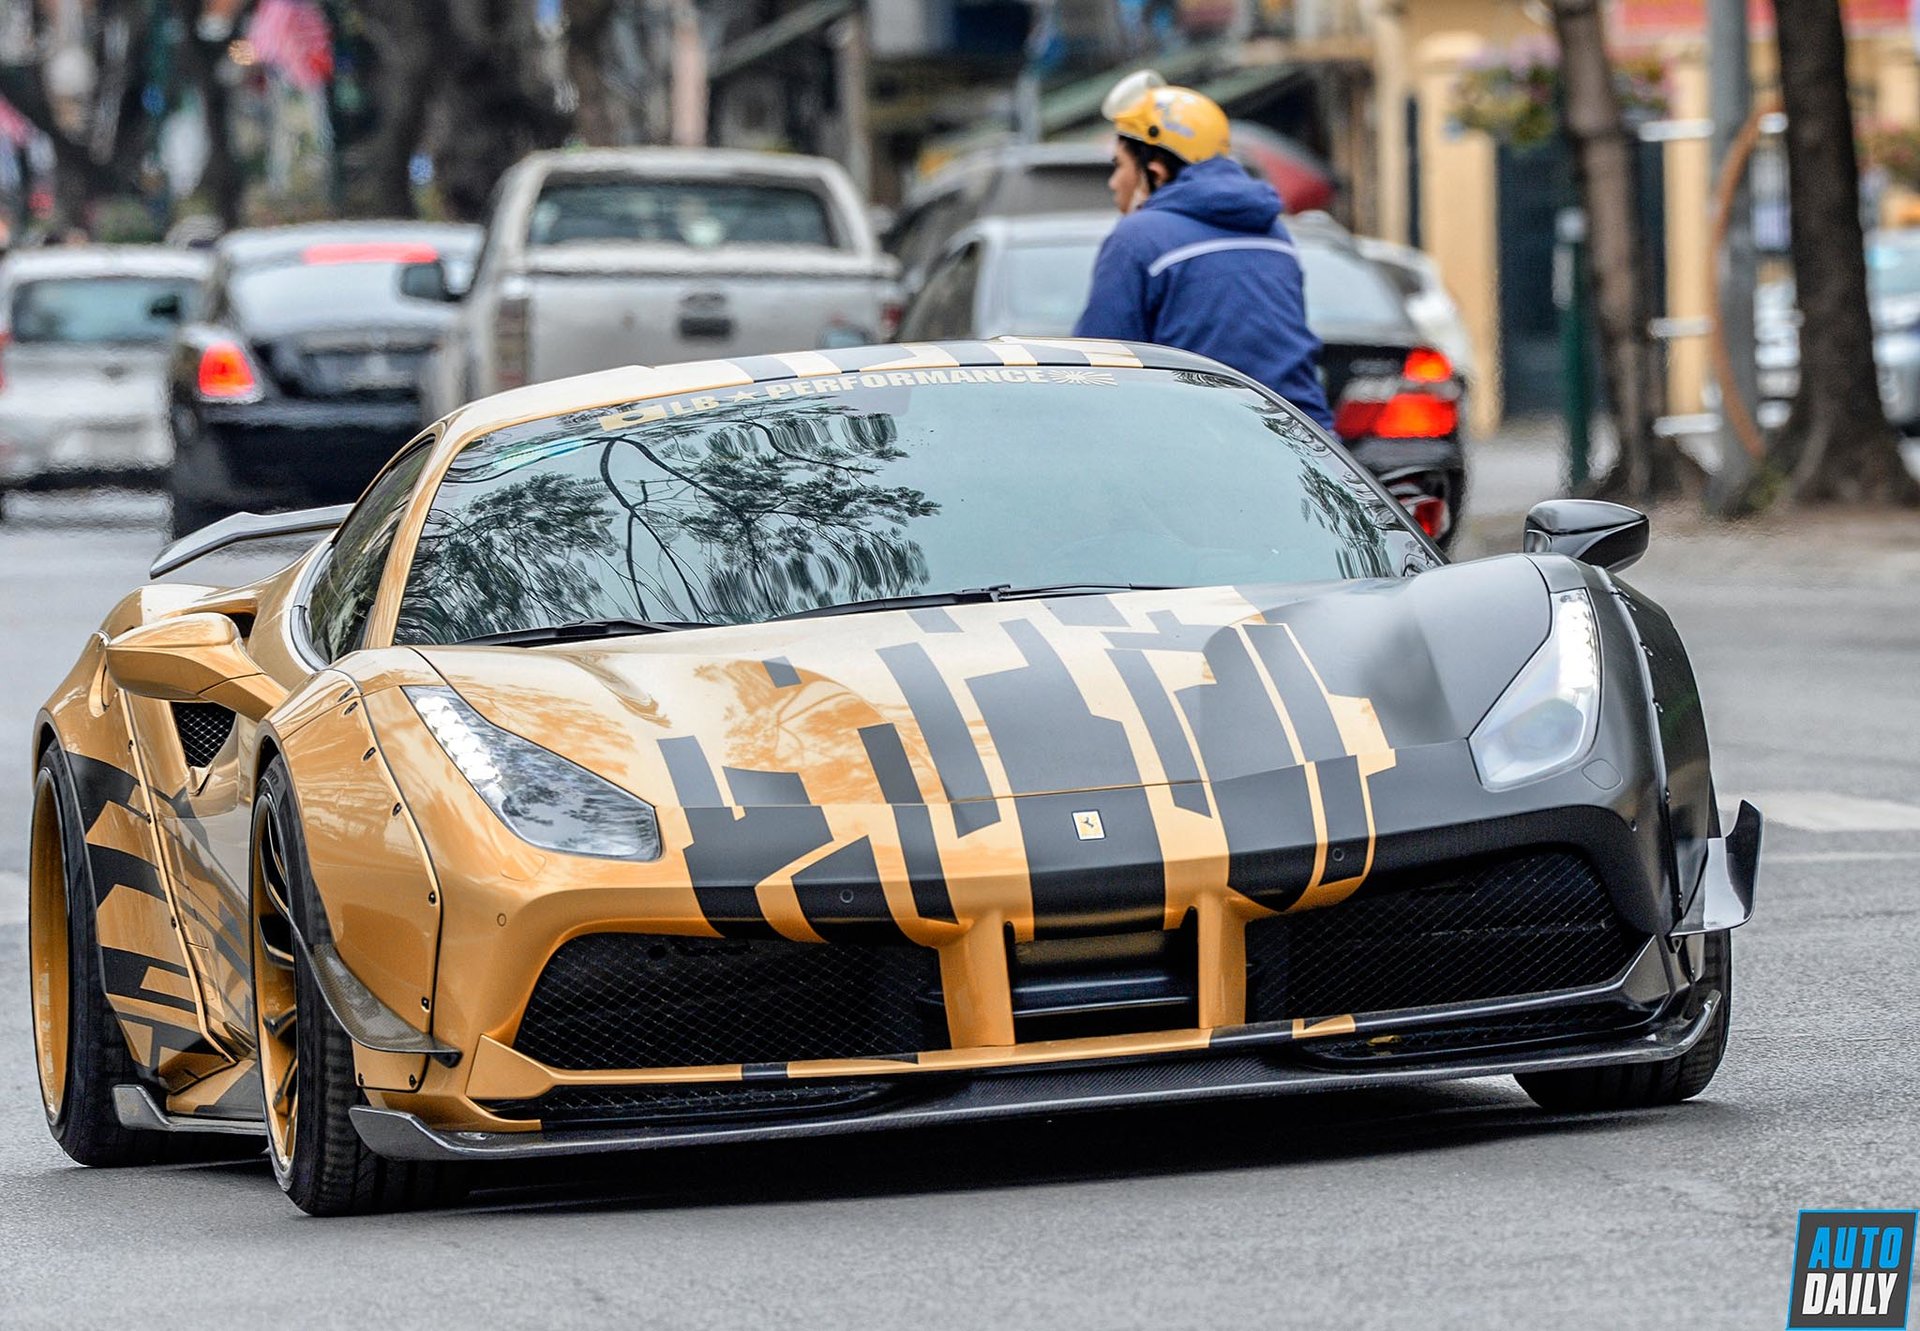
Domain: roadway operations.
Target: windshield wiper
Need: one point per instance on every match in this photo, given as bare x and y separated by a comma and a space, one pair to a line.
578, 630
1004, 591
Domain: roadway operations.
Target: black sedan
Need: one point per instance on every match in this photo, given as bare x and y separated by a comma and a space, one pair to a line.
1397, 400
302, 376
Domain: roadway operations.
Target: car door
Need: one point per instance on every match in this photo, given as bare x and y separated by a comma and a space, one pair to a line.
206, 827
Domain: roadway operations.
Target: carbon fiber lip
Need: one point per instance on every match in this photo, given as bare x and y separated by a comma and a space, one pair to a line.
1049, 1090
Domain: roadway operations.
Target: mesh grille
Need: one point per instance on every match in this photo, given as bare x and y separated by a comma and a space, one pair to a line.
650, 1000
203, 727
1480, 1036
1535, 922
605, 1105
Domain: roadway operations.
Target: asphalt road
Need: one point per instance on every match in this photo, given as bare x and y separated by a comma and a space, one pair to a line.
1455, 1206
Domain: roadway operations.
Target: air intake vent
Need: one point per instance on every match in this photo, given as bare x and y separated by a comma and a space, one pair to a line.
203, 728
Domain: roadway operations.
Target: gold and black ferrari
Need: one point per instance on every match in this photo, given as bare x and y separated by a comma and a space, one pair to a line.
839, 741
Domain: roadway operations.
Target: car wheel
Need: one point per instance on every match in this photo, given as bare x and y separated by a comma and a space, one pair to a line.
1644, 1085
306, 1060
79, 1048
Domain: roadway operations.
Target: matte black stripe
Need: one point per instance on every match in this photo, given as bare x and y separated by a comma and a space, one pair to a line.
1163, 728
763, 790
1306, 704
1345, 804
841, 896
1270, 835
912, 821
124, 975
1094, 612
1047, 738
962, 775
693, 783
781, 672
116, 868
933, 620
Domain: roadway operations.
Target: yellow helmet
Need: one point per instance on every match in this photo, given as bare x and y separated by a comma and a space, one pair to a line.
1187, 124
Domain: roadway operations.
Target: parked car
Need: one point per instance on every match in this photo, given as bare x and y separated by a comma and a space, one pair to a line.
644, 256
1397, 399
1037, 179
83, 355
302, 375
1429, 304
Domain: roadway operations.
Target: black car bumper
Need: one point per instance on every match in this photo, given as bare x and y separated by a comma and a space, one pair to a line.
1242, 1063
295, 453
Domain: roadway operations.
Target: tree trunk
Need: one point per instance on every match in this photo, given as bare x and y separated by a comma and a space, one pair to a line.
407, 45
599, 121
220, 182
1836, 444
496, 101
1648, 467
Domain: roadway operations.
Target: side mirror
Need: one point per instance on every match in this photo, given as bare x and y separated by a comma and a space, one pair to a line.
426, 281
1611, 536
193, 658
166, 306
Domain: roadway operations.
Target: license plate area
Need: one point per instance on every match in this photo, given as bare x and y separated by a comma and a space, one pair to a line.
1111, 984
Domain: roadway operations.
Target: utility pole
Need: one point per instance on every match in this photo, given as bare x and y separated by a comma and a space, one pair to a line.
1730, 101
850, 73
688, 108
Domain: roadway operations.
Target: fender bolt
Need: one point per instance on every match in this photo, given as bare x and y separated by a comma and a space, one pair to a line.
362, 1079
368, 754
396, 811
433, 899
502, 920
351, 708
425, 1005
413, 1081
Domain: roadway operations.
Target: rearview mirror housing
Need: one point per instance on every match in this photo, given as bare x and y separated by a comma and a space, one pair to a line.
193, 658
1610, 536
428, 281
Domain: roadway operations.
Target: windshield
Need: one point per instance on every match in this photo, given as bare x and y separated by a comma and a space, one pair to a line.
1043, 288
340, 289
98, 309
702, 214
750, 503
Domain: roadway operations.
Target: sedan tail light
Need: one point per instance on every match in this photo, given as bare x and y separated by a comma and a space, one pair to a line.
1421, 402
225, 372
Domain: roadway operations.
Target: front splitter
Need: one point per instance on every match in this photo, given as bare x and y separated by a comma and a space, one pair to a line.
1029, 1092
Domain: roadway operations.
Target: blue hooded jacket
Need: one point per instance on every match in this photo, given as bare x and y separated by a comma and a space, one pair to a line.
1206, 265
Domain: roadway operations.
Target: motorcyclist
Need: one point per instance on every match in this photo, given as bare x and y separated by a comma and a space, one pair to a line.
1200, 259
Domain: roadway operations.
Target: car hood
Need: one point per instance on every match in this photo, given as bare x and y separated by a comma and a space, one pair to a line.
1027, 697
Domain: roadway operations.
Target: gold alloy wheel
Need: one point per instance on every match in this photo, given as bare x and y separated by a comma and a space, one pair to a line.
275, 988
47, 942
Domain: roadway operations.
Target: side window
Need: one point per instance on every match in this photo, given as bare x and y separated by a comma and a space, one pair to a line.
944, 307
343, 592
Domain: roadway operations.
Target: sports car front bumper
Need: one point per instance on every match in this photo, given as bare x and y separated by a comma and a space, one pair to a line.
1237, 1067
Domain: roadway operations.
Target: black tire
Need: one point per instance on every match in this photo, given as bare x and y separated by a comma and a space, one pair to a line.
326, 1170
97, 1058
1647, 1085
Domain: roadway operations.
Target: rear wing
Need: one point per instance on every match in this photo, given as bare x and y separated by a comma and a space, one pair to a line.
246, 527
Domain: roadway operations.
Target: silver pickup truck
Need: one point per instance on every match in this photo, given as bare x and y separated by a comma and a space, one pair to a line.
648, 256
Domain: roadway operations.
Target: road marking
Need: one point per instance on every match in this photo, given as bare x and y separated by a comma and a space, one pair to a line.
1828, 811
13, 898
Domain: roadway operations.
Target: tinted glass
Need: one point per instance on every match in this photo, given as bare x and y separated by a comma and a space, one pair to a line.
742, 505
329, 292
344, 590
97, 309
697, 213
1081, 187
944, 307
1346, 290
1043, 288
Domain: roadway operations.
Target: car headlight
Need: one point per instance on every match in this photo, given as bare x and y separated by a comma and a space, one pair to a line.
545, 799
1544, 723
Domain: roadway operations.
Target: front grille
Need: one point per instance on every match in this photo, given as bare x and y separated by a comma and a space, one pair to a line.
203, 727
1535, 922
654, 1000
602, 1106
